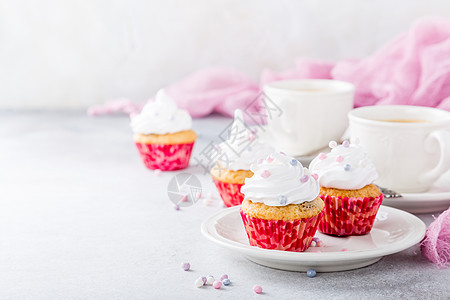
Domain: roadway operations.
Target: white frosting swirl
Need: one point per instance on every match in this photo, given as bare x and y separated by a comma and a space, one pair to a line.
346, 167
280, 180
242, 148
161, 116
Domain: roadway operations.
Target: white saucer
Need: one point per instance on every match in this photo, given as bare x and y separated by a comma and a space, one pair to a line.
393, 231
420, 203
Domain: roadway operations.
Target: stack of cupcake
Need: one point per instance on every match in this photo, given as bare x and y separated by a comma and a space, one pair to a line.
235, 156
163, 134
281, 209
351, 200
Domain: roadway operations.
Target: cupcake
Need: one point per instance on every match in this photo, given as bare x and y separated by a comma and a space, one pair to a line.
163, 135
281, 208
235, 156
351, 200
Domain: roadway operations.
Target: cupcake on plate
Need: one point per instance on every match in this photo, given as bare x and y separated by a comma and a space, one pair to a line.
281, 209
235, 156
351, 200
163, 134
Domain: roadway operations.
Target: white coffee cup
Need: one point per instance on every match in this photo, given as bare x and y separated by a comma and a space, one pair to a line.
312, 112
409, 155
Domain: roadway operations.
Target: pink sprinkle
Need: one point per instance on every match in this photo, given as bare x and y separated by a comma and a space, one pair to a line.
322, 156
346, 144
344, 249
304, 178
257, 289
265, 174
339, 159
251, 137
319, 244
157, 172
217, 284
269, 159
315, 176
184, 198
176, 207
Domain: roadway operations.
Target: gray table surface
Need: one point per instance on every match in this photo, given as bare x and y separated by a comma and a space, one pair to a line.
82, 218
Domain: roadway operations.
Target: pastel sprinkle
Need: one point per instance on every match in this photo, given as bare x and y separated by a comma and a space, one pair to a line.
347, 167
217, 284
199, 195
313, 244
204, 280
293, 162
282, 199
315, 176
226, 282
269, 159
223, 277
322, 156
332, 144
186, 266
210, 280
199, 282
265, 174
251, 137
346, 144
249, 148
184, 198
339, 158
257, 289
311, 273
316, 239
344, 249
304, 178
260, 161
157, 172
319, 244
217, 147
281, 152
176, 207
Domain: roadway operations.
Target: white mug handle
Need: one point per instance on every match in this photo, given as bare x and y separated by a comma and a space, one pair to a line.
443, 139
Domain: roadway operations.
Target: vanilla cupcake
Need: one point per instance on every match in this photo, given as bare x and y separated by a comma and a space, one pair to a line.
351, 200
235, 156
163, 135
281, 208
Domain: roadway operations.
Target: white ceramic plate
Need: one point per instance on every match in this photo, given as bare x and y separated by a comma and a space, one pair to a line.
393, 231
420, 203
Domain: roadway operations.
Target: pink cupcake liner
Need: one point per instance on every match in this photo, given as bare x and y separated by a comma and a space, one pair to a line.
229, 192
295, 235
345, 216
165, 157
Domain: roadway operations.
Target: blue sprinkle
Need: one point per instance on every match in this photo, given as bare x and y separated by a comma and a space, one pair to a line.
249, 148
347, 167
282, 199
293, 162
311, 273
226, 281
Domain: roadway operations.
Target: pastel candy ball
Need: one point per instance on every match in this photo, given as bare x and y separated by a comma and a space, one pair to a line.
322, 156
313, 244
293, 162
203, 279
339, 158
210, 280
347, 167
217, 284
226, 282
346, 144
199, 282
311, 273
257, 289
319, 244
186, 266
282, 199
332, 144
223, 277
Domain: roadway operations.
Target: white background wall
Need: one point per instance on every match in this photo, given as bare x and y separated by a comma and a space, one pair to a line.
56, 53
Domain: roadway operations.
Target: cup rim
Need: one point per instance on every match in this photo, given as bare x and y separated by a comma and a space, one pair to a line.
353, 116
336, 86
